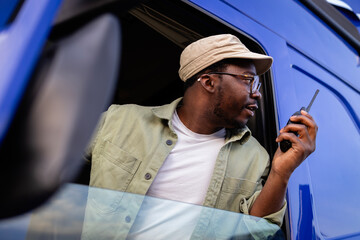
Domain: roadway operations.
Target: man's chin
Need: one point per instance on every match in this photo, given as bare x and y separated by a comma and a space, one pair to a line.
240, 126
236, 124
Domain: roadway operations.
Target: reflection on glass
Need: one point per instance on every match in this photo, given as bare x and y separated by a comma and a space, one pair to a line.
81, 212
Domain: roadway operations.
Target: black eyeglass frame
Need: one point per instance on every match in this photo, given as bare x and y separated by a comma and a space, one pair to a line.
254, 81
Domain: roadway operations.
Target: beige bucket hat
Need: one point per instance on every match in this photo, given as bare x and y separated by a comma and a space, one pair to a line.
207, 51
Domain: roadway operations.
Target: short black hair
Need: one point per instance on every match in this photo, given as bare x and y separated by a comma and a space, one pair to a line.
216, 67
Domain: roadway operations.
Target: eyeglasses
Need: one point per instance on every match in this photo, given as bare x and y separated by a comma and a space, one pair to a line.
252, 79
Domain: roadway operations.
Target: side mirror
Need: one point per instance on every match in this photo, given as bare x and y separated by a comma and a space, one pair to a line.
71, 86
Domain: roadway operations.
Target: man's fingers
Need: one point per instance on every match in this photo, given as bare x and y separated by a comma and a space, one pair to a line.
287, 136
305, 113
307, 120
300, 129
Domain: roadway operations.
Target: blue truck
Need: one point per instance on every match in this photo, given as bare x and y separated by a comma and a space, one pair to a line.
64, 61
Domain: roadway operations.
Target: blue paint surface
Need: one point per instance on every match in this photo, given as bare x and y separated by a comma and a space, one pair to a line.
20, 46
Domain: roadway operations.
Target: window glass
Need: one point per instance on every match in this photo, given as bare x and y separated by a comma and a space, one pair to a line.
79, 211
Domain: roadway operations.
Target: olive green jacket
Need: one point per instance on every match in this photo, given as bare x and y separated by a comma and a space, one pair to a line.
132, 143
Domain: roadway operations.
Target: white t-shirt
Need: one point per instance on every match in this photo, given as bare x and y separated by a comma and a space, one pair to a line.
186, 173
184, 176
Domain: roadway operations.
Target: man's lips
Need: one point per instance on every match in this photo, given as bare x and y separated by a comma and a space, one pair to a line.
251, 108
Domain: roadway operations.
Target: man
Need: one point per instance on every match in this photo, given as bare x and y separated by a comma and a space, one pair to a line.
198, 149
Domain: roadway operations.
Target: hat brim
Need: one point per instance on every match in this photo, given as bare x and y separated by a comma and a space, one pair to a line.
262, 62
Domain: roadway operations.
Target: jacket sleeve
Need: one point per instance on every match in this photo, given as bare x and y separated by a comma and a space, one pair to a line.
247, 203
276, 217
89, 149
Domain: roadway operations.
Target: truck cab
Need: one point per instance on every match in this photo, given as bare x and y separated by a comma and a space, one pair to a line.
315, 44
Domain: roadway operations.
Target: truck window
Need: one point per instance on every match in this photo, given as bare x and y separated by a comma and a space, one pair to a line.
154, 35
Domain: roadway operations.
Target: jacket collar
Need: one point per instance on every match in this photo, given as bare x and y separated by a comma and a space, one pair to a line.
166, 111
232, 135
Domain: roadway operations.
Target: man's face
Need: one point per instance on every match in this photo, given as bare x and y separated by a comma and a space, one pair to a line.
233, 105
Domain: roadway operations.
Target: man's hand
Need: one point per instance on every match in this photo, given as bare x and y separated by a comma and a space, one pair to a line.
302, 146
271, 198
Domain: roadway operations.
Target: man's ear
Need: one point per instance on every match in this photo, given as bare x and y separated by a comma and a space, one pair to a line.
207, 82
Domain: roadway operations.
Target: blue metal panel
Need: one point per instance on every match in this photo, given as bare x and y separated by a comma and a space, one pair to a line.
20, 45
333, 168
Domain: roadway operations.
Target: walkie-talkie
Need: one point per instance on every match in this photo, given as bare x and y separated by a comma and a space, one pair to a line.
286, 144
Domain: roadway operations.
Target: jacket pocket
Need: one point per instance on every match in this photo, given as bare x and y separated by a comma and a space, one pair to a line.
115, 168
233, 190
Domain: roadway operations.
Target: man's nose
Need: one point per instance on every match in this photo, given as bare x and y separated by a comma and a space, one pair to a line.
256, 94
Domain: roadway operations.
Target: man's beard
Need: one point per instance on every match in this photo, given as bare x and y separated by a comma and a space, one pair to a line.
220, 113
